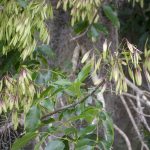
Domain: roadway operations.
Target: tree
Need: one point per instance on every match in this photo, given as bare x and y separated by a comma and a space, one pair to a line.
67, 110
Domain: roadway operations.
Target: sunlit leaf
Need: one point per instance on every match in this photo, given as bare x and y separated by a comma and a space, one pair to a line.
84, 143
138, 77
83, 74
87, 130
85, 57
21, 142
32, 120
63, 82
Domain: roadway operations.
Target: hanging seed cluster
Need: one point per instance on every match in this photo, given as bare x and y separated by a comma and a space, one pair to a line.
81, 10
120, 64
147, 64
17, 94
21, 24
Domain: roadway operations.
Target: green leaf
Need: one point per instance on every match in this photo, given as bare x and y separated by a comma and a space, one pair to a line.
87, 130
9, 62
56, 91
55, 145
82, 142
43, 77
46, 51
111, 15
50, 120
101, 28
63, 82
85, 147
32, 64
74, 89
102, 115
70, 131
32, 120
83, 74
21, 142
81, 26
109, 132
94, 32
66, 142
37, 146
45, 92
48, 104
89, 115
131, 74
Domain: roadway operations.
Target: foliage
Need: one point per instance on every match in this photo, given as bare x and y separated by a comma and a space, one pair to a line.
90, 118
81, 11
24, 140
29, 87
85, 16
22, 22
119, 63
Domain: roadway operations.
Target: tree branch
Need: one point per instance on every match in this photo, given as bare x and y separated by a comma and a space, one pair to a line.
134, 123
72, 105
144, 99
134, 87
140, 109
124, 136
134, 107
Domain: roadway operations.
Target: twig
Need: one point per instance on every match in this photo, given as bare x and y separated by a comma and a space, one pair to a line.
133, 123
80, 35
143, 99
141, 111
124, 136
74, 104
134, 87
134, 107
